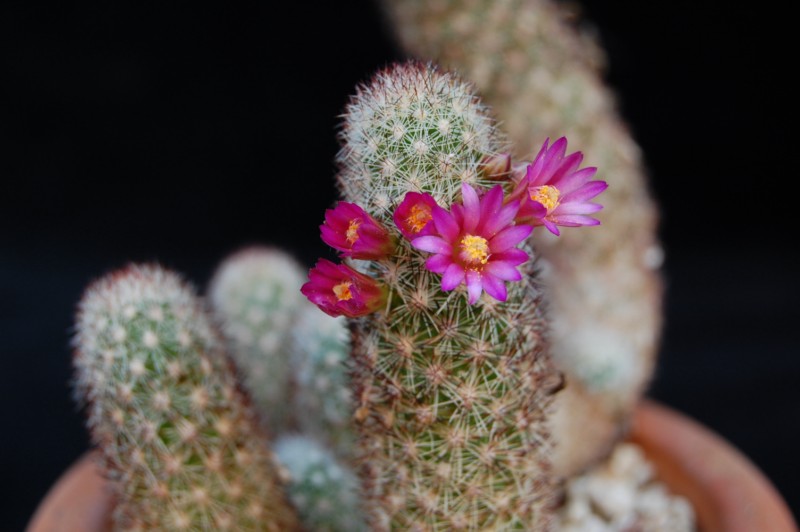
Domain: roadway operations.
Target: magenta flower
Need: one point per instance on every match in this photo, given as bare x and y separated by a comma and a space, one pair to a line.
475, 244
413, 217
349, 229
555, 192
339, 290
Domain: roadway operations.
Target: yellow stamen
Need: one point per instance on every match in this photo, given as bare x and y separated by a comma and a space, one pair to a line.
547, 195
342, 291
419, 217
475, 249
352, 231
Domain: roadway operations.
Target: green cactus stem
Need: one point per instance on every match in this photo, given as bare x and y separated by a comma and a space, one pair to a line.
178, 439
603, 287
451, 398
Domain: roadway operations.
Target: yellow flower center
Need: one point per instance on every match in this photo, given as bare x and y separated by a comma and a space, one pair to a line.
420, 215
352, 231
342, 291
547, 195
475, 249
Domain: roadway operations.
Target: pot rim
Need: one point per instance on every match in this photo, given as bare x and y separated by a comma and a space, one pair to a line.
728, 493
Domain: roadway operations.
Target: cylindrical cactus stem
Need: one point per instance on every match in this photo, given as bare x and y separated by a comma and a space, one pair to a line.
255, 297
451, 398
323, 489
540, 76
323, 397
179, 441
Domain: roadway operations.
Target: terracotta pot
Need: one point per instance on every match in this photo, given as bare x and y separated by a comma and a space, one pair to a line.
728, 493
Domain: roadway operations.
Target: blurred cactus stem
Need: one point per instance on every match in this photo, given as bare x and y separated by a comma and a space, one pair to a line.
255, 297
320, 358
324, 491
180, 443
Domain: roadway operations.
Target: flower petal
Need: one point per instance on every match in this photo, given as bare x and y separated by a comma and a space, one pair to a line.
432, 244
553, 160
534, 169
491, 203
513, 256
509, 237
445, 224
574, 181
551, 226
567, 167
501, 219
573, 220
438, 263
585, 192
504, 270
577, 208
472, 208
494, 287
474, 286
453, 276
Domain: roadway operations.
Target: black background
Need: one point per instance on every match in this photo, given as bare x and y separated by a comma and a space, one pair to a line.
179, 134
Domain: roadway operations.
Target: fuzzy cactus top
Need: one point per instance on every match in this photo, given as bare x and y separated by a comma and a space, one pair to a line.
178, 439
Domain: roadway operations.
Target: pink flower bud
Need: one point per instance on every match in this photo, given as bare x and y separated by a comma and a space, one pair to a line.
349, 229
413, 217
339, 290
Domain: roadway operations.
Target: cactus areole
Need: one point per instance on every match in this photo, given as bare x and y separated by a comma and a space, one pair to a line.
451, 384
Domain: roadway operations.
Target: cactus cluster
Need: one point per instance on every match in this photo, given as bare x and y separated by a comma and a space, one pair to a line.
178, 438
434, 404
542, 78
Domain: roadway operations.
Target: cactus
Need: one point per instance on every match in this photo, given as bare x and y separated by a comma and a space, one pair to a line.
451, 398
178, 439
320, 350
604, 291
255, 295
324, 491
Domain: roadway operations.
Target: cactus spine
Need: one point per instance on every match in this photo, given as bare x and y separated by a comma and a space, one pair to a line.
176, 435
604, 292
451, 399
255, 295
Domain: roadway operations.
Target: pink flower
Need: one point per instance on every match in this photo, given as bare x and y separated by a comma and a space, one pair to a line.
475, 244
413, 217
338, 290
349, 229
554, 192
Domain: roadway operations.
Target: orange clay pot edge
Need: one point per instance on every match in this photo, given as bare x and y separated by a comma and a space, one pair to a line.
78, 502
727, 492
